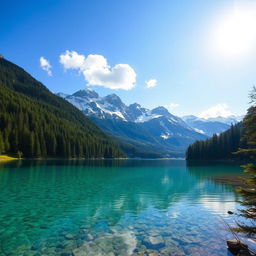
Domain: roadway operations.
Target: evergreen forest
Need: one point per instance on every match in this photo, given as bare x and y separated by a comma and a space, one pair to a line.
35, 123
222, 146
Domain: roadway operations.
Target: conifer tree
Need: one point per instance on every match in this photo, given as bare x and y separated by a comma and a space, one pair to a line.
37, 123
249, 193
1, 143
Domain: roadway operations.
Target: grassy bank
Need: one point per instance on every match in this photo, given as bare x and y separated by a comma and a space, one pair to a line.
7, 158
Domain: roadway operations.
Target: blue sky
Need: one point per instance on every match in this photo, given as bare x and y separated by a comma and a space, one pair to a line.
184, 45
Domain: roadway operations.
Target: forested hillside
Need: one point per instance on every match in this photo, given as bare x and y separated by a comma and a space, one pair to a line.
37, 123
220, 146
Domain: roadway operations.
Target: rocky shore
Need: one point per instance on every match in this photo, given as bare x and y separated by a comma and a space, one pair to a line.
233, 180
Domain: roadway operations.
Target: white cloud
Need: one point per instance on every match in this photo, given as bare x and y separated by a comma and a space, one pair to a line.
151, 83
219, 110
96, 70
45, 65
72, 60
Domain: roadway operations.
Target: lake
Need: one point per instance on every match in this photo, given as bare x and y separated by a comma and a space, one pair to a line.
115, 207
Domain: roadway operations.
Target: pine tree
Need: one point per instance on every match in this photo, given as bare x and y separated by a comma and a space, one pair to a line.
38, 123
249, 194
1, 143
220, 146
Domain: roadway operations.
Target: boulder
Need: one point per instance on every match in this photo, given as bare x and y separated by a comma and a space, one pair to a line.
235, 246
244, 253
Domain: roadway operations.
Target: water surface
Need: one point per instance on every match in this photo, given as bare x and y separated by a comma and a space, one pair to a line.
114, 207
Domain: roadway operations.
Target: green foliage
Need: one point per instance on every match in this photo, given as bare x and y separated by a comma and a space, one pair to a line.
252, 95
220, 146
1, 143
37, 123
249, 193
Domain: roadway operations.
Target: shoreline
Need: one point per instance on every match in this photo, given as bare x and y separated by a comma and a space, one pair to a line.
4, 158
232, 180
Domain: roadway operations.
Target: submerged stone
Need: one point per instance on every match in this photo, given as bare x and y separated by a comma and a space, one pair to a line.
154, 242
87, 250
70, 236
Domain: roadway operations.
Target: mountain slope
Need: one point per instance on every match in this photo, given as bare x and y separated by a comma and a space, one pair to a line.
134, 140
211, 126
40, 124
220, 146
154, 130
205, 126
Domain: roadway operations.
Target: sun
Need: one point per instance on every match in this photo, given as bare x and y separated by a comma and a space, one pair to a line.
235, 33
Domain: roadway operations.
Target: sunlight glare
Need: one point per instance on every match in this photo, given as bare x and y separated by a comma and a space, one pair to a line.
235, 34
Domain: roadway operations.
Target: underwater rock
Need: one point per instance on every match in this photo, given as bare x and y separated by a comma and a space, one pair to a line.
105, 243
87, 250
70, 236
89, 237
153, 254
154, 241
110, 254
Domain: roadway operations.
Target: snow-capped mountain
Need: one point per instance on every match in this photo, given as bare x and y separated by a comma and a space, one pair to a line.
155, 130
111, 106
89, 102
211, 126
227, 120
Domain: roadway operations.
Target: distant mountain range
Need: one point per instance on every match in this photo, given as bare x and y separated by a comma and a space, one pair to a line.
211, 126
140, 130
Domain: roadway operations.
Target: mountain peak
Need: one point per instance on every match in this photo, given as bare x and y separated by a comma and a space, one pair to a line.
114, 99
160, 111
86, 93
112, 96
135, 106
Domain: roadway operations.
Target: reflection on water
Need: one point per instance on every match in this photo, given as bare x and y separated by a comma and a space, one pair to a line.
113, 207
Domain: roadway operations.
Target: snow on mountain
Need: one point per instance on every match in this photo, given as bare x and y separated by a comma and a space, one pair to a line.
211, 126
227, 120
145, 117
199, 131
111, 106
89, 102
157, 129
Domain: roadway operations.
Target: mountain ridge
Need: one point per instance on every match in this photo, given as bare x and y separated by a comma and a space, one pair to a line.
156, 129
37, 123
211, 126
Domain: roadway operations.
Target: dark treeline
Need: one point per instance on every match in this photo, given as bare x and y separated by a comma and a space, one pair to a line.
220, 146
249, 192
36, 123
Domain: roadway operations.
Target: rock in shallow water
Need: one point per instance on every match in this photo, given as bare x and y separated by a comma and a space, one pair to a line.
236, 246
154, 241
244, 253
70, 236
87, 250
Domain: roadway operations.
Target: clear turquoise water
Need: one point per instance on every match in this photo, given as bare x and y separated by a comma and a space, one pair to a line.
128, 207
